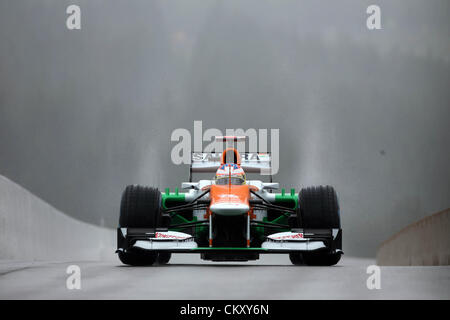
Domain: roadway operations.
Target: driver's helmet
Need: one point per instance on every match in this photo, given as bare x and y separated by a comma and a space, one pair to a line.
230, 173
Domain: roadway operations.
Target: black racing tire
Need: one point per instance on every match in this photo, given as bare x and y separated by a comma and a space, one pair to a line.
321, 259
296, 259
319, 209
164, 257
140, 208
138, 257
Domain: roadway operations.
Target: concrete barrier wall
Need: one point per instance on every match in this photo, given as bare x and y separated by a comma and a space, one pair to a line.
31, 229
423, 243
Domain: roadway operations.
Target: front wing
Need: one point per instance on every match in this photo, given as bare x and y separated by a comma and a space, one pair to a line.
296, 240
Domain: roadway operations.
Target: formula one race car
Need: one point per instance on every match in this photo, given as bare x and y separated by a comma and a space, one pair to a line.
229, 218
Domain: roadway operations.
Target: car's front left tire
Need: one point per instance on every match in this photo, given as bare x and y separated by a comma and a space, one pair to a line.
321, 259
319, 209
296, 259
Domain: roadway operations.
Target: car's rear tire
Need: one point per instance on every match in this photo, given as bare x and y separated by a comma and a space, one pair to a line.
140, 208
319, 209
163, 257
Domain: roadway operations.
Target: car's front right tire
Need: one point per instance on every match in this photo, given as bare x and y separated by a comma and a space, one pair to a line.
163, 257
138, 257
140, 208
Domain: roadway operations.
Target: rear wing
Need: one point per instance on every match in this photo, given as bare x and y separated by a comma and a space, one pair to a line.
251, 162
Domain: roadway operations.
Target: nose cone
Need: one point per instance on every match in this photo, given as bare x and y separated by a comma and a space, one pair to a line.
229, 200
229, 208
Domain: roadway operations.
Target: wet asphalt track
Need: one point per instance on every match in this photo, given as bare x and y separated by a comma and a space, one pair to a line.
187, 277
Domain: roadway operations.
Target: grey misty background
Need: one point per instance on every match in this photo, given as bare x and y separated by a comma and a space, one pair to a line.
84, 113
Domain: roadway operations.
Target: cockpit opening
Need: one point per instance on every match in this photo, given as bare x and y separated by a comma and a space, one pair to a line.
230, 180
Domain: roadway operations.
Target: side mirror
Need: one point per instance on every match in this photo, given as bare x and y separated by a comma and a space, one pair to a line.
189, 185
271, 185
